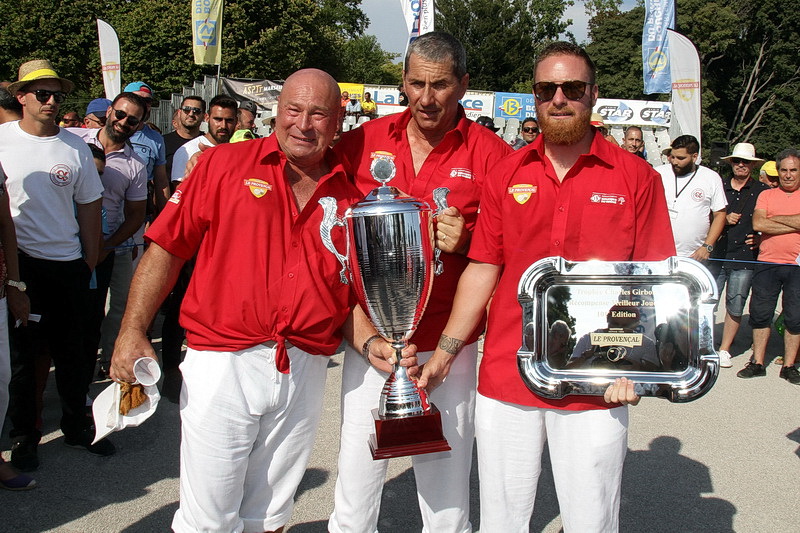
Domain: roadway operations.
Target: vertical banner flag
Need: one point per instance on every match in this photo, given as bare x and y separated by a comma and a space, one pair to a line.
207, 31
684, 64
419, 18
109, 58
659, 16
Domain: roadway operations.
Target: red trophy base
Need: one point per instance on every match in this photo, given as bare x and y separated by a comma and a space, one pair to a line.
412, 435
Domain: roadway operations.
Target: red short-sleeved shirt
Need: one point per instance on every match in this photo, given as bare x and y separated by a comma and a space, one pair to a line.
610, 206
779, 248
462, 162
262, 272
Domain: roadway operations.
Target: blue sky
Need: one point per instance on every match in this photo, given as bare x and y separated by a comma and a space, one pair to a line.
387, 24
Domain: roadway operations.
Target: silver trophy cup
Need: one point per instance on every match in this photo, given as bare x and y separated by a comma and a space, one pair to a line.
391, 260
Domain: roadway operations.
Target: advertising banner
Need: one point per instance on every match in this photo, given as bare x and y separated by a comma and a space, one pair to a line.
659, 16
109, 58
514, 105
634, 112
262, 92
478, 103
419, 18
207, 31
686, 89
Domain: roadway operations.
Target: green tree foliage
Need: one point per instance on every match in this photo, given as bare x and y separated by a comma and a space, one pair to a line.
748, 54
366, 62
261, 39
501, 37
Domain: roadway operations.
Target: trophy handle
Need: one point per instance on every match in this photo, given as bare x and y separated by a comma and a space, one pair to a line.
329, 221
440, 199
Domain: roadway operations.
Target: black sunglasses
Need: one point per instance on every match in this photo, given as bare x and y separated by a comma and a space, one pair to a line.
191, 110
122, 115
530, 130
43, 95
739, 161
94, 118
573, 90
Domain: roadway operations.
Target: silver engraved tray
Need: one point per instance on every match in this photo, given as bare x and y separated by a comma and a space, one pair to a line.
586, 323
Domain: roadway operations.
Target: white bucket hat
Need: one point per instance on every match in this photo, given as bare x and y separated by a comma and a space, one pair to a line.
744, 151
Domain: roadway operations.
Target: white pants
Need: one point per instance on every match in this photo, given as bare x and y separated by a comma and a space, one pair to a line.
587, 450
5, 361
118, 289
442, 478
246, 437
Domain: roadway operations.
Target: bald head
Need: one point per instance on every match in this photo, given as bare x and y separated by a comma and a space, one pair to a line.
308, 116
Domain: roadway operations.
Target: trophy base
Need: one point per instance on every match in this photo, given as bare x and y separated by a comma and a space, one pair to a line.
412, 435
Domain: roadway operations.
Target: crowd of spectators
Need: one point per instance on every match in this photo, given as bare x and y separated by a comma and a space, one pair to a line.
77, 194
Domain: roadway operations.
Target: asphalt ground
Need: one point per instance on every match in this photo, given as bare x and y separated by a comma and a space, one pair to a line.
729, 461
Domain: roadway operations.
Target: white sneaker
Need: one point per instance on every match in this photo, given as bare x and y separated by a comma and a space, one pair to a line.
724, 359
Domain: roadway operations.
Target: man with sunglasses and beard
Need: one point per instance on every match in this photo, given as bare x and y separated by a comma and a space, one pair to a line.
124, 201
221, 118
580, 198
55, 197
188, 120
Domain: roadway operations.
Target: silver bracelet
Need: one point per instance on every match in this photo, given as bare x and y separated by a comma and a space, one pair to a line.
367, 343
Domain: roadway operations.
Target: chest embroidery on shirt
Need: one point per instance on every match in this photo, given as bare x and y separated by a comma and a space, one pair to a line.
176, 197
258, 187
381, 154
61, 175
461, 173
698, 195
522, 192
607, 198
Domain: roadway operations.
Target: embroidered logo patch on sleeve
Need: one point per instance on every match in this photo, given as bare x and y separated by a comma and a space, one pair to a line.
258, 187
522, 192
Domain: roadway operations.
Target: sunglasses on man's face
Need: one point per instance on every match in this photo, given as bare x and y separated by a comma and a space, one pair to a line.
739, 161
43, 96
546, 90
189, 110
94, 118
122, 115
530, 130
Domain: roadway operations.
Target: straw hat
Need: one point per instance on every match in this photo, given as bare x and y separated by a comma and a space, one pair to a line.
38, 69
744, 151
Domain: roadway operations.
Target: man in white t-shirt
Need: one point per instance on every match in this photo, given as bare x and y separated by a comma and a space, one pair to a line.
55, 197
693, 192
221, 119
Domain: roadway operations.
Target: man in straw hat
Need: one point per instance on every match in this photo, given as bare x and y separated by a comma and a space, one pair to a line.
52, 174
734, 249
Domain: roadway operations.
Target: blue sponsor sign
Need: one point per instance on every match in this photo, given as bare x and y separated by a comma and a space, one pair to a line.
514, 105
659, 16
205, 32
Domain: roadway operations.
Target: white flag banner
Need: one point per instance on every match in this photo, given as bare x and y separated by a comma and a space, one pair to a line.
109, 58
684, 66
419, 18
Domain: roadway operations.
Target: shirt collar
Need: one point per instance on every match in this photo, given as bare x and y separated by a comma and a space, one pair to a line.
397, 128
271, 153
94, 135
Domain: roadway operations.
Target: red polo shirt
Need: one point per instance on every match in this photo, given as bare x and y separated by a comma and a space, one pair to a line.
262, 272
461, 162
610, 206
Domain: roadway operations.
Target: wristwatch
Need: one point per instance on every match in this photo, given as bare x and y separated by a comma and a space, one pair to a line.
709, 247
19, 285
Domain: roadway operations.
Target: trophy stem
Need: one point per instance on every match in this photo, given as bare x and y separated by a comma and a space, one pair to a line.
401, 396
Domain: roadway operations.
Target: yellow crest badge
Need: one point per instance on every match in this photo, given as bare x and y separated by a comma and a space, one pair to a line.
522, 192
258, 187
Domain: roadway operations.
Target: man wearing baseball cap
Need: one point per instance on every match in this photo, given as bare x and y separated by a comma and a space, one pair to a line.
734, 251
768, 175
55, 196
96, 111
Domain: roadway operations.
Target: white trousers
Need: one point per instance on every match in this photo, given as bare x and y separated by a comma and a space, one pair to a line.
587, 450
121, 276
246, 437
5, 361
442, 478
